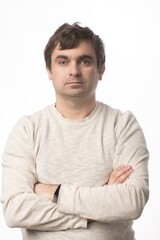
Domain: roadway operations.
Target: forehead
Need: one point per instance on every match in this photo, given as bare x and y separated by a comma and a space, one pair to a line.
83, 48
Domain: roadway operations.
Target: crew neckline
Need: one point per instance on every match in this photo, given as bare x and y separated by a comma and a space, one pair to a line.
61, 118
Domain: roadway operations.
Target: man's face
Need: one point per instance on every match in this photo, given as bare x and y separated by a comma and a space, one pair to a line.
74, 72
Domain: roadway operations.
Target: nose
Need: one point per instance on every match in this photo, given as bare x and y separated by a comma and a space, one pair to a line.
74, 70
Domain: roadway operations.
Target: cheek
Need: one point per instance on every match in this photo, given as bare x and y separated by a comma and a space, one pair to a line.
58, 79
55, 76
91, 73
59, 74
94, 76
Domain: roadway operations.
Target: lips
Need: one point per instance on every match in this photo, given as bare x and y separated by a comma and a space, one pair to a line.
74, 82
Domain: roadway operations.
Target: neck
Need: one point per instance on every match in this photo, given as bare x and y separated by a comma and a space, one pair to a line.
75, 110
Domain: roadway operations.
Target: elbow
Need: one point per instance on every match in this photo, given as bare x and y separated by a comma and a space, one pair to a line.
13, 221
10, 223
11, 216
10, 219
139, 203
136, 213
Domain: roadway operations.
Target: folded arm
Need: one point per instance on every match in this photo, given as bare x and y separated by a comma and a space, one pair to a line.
22, 207
116, 202
119, 175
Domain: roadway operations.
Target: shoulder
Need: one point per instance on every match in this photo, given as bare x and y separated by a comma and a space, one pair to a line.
110, 114
28, 124
124, 123
122, 117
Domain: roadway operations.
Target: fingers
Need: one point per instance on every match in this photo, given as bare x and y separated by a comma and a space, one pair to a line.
120, 174
45, 190
38, 187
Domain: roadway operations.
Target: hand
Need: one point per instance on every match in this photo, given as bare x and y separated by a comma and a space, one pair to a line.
45, 190
119, 175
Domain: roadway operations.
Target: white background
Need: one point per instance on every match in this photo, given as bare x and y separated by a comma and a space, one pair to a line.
131, 33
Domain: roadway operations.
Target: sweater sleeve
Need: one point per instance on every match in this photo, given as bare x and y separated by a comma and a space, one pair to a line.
118, 202
22, 207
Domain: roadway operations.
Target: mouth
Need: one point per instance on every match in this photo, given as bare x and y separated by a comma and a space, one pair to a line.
74, 83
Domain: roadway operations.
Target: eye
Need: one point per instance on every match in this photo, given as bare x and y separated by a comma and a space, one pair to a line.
62, 61
86, 61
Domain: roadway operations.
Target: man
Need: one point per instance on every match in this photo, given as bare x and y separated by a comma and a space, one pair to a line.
77, 169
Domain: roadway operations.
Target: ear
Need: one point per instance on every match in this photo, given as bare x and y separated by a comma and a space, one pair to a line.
101, 71
49, 73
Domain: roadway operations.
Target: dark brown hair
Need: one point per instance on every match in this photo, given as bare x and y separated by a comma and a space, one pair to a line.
69, 36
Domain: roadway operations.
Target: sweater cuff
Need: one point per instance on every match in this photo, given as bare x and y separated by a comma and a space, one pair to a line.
66, 203
66, 198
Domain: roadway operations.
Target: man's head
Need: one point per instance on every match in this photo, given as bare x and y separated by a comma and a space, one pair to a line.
69, 36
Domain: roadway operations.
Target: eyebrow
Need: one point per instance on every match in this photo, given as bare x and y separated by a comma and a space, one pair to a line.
61, 56
86, 56
79, 58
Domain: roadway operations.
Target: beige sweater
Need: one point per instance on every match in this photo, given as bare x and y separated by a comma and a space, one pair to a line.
79, 154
